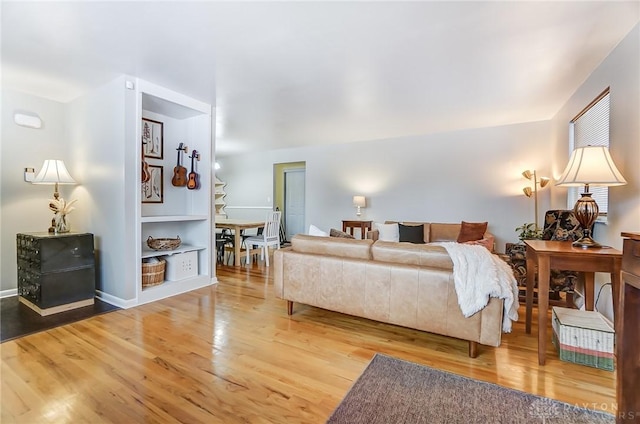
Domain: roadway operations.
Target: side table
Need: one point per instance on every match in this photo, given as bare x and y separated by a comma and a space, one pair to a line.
351, 224
56, 272
544, 255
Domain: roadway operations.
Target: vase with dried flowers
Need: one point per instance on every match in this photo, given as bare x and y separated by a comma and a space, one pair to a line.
61, 209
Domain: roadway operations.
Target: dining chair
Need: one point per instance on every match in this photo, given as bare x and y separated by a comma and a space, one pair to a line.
270, 237
224, 243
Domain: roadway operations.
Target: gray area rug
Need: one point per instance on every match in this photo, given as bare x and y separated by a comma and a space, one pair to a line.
394, 391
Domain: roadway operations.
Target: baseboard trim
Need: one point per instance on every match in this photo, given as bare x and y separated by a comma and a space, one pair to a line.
116, 301
8, 293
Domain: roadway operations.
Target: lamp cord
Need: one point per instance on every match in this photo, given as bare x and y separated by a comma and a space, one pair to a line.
595, 304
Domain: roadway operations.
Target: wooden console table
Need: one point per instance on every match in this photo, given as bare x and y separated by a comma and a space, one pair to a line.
545, 255
628, 332
363, 225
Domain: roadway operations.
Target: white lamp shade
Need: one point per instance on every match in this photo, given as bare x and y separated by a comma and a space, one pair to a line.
591, 165
53, 171
359, 201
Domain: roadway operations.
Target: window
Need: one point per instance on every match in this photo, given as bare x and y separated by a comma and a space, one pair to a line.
591, 128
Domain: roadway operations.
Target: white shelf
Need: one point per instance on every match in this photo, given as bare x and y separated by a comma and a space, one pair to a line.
173, 218
219, 195
147, 252
171, 288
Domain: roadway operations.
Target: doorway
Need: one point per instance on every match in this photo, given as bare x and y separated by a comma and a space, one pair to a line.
289, 196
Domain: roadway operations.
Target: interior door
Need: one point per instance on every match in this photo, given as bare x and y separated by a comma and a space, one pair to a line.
294, 181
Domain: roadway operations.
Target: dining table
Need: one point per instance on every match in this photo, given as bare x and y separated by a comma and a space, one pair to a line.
237, 226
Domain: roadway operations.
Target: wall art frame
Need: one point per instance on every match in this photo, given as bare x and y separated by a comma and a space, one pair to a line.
152, 139
153, 190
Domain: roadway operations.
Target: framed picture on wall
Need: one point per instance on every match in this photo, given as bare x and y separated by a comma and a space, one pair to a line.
152, 138
153, 190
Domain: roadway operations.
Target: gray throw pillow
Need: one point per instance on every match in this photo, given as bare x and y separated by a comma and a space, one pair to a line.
411, 233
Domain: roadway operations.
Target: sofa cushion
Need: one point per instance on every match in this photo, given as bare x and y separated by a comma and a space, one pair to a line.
427, 255
426, 229
332, 246
341, 234
387, 232
411, 233
443, 232
471, 231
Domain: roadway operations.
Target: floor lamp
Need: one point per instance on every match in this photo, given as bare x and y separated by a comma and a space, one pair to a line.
591, 165
531, 175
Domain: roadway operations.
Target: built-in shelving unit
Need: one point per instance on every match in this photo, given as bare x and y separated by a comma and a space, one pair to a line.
182, 213
219, 201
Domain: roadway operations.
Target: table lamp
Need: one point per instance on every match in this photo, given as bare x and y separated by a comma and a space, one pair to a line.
591, 165
359, 202
54, 172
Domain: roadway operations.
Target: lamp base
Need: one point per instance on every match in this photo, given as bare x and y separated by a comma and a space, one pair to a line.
586, 242
586, 211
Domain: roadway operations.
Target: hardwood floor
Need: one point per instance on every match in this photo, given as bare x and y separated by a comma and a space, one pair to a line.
230, 354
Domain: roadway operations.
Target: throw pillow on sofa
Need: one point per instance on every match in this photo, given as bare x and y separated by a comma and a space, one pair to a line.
387, 232
315, 231
340, 234
411, 233
472, 231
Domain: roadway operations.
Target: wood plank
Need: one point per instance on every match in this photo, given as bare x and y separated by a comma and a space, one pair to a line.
230, 354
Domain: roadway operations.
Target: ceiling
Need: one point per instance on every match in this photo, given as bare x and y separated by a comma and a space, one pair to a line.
285, 74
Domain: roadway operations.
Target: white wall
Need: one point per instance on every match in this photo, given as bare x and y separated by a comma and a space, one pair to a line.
471, 175
89, 135
25, 207
97, 126
621, 72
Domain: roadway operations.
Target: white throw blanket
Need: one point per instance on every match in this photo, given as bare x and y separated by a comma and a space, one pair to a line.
478, 274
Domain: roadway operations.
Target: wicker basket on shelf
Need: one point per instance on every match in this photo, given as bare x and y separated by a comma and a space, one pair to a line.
153, 273
164, 243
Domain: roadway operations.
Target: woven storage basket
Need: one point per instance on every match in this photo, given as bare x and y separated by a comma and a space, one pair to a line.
163, 243
153, 274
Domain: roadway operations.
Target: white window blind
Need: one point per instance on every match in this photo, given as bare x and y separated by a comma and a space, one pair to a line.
591, 128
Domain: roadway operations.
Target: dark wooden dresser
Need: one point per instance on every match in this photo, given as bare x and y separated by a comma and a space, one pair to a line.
628, 332
56, 272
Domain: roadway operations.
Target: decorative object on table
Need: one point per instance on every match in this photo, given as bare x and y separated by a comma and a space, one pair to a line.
180, 172
591, 165
164, 243
61, 209
542, 182
359, 202
152, 272
194, 179
529, 231
54, 172
152, 139
153, 190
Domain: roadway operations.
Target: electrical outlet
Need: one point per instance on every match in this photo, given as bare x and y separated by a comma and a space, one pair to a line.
29, 174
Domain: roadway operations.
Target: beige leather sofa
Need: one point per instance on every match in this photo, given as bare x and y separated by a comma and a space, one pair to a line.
406, 284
